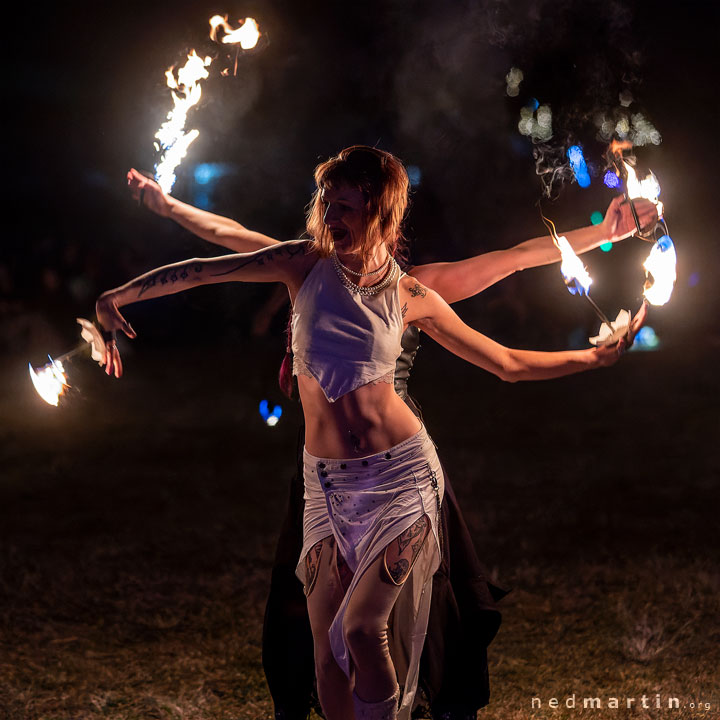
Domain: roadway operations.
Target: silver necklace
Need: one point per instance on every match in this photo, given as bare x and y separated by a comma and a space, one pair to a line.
346, 269
370, 289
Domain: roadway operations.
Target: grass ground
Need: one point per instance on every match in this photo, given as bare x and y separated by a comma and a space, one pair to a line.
138, 522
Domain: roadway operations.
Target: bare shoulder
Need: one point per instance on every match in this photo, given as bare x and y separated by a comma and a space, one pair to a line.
412, 287
300, 258
417, 301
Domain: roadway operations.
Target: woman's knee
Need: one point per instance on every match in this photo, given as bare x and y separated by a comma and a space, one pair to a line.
327, 672
364, 635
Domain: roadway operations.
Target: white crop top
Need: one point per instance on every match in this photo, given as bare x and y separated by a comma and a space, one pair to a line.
344, 339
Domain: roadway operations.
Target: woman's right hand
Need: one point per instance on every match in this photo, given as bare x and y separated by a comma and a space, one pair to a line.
111, 319
148, 193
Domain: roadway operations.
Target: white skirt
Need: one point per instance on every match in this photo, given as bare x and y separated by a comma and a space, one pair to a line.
365, 504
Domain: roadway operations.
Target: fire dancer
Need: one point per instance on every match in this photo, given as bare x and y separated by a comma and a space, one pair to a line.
455, 681
373, 482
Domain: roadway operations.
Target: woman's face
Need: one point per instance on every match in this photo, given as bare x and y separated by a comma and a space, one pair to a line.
344, 215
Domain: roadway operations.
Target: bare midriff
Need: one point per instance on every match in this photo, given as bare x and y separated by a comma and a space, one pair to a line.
367, 420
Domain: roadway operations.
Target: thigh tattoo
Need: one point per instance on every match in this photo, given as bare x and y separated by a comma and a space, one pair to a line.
312, 565
401, 553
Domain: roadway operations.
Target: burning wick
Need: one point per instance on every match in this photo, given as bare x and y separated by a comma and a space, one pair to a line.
660, 264
576, 277
647, 188
245, 37
50, 380
172, 139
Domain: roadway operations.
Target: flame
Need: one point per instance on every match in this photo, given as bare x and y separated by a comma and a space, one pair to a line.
648, 187
247, 34
617, 146
573, 271
173, 139
49, 381
660, 269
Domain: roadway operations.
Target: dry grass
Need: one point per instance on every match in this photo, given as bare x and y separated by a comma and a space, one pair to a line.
137, 544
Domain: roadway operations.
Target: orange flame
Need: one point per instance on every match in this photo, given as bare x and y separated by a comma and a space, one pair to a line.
50, 381
617, 146
173, 140
247, 34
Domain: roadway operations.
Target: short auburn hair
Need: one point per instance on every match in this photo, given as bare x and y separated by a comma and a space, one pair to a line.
382, 179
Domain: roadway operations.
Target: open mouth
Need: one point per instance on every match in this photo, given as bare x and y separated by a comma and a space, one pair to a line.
338, 234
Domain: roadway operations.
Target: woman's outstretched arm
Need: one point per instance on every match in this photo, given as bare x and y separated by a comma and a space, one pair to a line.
213, 228
427, 310
456, 281
284, 263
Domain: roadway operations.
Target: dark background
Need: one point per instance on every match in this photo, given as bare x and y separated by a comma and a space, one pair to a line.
165, 489
424, 80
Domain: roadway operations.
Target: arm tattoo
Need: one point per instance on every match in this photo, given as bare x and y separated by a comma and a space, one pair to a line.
291, 251
418, 289
168, 275
404, 309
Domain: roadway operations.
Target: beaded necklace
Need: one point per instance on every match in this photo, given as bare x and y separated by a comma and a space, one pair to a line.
346, 269
370, 289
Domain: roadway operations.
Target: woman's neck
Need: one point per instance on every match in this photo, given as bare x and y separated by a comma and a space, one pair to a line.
375, 261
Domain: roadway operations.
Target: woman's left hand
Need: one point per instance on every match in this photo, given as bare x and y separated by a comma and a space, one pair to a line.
619, 222
609, 354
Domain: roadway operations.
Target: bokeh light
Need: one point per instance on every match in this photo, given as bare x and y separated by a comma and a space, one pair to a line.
578, 165
513, 80
606, 246
611, 179
596, 218
270, 417
414, 175
646, 339
536, 122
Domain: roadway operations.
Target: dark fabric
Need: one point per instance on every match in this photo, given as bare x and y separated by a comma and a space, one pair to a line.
410, 342
463, 619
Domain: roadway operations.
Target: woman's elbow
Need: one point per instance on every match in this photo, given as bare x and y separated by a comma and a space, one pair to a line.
510, 369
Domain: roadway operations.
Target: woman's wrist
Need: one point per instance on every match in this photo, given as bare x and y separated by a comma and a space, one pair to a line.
168, 206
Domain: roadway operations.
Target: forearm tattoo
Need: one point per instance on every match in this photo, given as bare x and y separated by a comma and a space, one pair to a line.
404, 309
418, 289
290, 251
169, 275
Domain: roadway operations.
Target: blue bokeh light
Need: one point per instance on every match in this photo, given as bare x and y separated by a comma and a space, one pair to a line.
646, 339
611, 179
606, 246
414, 175
578, 165
694, 279
270, 418
596, 218
206, 173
